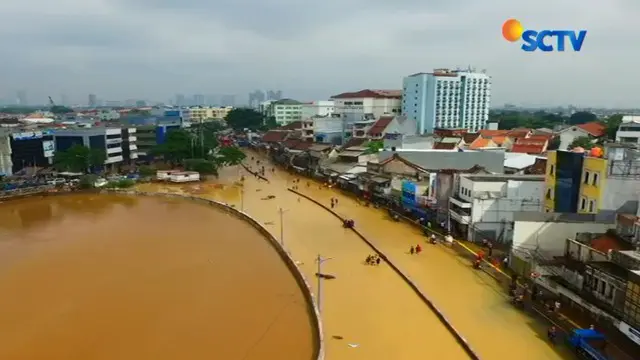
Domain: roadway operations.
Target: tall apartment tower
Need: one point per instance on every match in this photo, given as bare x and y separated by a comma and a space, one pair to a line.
93, 100
449, 99
274, 94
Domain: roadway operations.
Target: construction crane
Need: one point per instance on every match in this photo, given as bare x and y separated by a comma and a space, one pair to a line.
51, 102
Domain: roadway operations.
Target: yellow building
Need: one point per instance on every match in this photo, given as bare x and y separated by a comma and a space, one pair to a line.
593, 185
550, 182
209, 113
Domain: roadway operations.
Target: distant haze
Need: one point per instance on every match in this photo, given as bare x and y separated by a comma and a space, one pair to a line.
153, 49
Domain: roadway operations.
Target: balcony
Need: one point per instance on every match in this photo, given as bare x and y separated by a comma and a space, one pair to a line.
113, 159
114, 150
133, 155
114, 141
133, 147
460, 202
460, 218
133, 138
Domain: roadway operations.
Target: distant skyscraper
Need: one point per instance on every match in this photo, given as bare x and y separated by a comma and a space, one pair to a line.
180, 100
64, 100
228, 100
274, 94
256, 98
21, 98
93, 100
198, 100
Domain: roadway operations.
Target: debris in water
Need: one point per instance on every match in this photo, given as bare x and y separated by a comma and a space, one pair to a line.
337, 337
353, 345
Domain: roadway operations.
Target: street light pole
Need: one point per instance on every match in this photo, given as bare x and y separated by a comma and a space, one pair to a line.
319, 261
281, 211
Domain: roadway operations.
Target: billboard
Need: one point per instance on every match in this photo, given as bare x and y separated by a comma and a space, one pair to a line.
30, 135
48, 148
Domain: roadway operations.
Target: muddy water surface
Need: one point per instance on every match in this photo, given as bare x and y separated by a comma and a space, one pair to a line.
368, 312
132, 278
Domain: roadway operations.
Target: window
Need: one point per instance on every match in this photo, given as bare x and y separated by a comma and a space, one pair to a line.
586, 178
592, 205
595, 179
583, 203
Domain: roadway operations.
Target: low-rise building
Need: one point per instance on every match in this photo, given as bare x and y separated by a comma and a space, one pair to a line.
327, 129
208, 113
30, 148
629, 130
108, 139
580, 183
285, 111
592, 130
483, 206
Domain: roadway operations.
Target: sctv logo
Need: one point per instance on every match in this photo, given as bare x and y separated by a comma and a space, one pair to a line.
512, 30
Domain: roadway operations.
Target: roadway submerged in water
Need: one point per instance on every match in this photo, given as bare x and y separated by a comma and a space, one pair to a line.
117, 277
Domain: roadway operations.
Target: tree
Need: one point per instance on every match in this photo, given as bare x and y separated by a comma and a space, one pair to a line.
79, 158
583, 142
60, 110
202, 166
582, 117
147, 171
612, 124
554, 143
178, 145
241, 118
270, 123
373, 147
231, 155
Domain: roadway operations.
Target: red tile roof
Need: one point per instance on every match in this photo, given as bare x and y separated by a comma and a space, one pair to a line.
368, 93
491, 133
291, 126
539, 138
470, 137
297, 144
354, 142
534, 148
380, 125
444, 146
594, 128
274, 136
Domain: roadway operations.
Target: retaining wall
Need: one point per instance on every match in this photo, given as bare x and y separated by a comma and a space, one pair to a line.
443, 319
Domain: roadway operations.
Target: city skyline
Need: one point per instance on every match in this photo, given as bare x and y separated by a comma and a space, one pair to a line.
105, 47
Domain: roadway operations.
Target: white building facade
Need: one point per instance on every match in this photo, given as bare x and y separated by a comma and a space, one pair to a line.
449, 99
367, 104
317, 108
285, 111
629, 130
483, 206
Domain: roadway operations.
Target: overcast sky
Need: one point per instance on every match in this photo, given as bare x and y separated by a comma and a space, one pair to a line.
153, 49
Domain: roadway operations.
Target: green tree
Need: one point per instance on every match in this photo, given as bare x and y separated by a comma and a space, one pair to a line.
554, 143
79, 158
612, 124
242, 118
583, 142
60, 110
373, 147
178, 145
231, 155
202, 166
88, 181
270, 122
147, 171
582, 117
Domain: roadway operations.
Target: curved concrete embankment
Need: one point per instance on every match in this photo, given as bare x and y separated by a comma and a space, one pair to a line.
297, 273
459, 338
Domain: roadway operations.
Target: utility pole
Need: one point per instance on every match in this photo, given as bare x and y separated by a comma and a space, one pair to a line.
319, 261
281, 211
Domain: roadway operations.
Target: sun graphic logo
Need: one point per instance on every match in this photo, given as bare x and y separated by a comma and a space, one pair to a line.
512, 31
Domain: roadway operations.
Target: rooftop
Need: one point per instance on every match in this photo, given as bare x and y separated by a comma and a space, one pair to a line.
379, 127
368, 93
560, 217
529, 148
503, 177
519, 161
610, 268
431, 159
287, 102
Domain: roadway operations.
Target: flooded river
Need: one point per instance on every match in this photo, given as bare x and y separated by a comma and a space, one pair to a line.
131, 278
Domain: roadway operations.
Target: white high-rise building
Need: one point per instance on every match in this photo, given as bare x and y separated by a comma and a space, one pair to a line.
449, 99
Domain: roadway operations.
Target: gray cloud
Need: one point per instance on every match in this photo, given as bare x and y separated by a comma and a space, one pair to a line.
155, 48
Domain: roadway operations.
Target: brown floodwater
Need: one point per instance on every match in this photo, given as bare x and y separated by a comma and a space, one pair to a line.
120, 277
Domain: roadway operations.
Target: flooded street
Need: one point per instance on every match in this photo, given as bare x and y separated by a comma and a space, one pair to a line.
476, 306
132, 278
368, 312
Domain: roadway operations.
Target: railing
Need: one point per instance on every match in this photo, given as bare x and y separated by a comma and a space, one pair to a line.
25, 191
